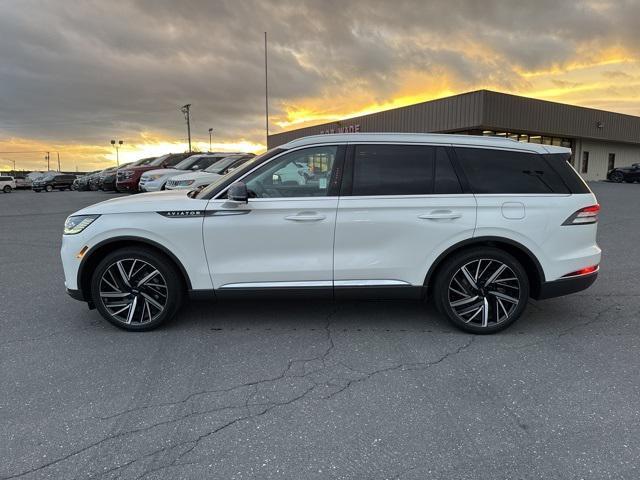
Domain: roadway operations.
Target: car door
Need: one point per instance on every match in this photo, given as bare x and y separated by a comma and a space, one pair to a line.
401, 206
283, 236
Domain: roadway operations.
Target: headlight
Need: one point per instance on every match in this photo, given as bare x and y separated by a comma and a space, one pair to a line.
77, 223
153, 177
184, 183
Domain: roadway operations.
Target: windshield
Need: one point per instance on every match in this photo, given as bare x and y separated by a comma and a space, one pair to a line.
196, 162
158, 161
221, 164
238, 172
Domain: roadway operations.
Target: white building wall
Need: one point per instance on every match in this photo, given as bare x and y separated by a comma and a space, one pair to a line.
626, 154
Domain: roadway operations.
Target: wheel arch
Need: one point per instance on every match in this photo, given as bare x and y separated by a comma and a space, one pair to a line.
102, 249
532, 266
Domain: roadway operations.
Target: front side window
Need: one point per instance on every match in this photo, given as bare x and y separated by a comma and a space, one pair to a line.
506, 171
393, 170
302, 173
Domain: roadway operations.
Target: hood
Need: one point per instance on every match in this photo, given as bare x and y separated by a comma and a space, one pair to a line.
164, 171
192, 175
142, 168
145, 202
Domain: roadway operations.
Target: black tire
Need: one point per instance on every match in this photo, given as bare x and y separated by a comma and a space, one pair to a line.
169, 274
7, 189
48, 188
616, 177
486, 295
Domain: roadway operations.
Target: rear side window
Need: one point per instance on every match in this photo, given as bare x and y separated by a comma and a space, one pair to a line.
5, 179
560, 163
393, 170
504, 171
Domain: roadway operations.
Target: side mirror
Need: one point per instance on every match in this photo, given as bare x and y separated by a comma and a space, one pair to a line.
238, 192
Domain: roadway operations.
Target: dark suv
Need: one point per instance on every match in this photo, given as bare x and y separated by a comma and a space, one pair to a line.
57, 181
128, 177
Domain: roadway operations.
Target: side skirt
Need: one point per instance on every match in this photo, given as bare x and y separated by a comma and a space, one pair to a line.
396, 292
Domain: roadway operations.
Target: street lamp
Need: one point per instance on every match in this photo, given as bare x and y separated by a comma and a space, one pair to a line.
186, 111
210, 132
117, 146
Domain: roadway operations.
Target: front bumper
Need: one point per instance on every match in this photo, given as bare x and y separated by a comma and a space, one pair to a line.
150, 185
76, 295
565, 286
127, 185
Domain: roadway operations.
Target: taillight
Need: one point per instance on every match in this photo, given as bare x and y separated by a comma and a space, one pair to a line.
584, 216
582, 271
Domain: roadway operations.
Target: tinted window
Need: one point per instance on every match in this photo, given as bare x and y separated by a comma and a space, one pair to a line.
446, 178
503, 171
302, 173
559, 163
5, 179
393, 170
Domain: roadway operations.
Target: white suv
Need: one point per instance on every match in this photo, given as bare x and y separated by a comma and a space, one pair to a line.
479, 224
7, 183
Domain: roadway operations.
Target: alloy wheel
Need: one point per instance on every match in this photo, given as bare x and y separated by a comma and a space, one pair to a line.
484, 292
617, 177
133, 291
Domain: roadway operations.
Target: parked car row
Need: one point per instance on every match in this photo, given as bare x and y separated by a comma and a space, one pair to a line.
167, 172
174, 171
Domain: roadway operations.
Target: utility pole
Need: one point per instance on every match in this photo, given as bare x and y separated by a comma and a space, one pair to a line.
210, 132
48, 164
14, 166
187, 115
59, 161
266, 88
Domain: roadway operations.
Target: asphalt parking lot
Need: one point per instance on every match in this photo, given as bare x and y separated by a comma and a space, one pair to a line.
313, 390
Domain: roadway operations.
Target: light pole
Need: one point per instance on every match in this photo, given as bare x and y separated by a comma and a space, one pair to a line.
187, 116
117, 146
210, 132
47, 159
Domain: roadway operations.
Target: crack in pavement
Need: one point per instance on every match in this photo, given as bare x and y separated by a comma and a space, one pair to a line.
314, 379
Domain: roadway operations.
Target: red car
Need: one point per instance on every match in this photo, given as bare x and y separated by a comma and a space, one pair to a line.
128, 177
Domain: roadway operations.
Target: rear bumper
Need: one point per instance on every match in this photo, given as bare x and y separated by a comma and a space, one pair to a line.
565, 286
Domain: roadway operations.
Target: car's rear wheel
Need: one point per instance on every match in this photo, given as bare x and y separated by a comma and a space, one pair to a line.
617, 177
136, 288
482, 290
7, 189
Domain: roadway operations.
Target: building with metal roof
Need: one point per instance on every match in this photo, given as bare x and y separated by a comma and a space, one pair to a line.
598, 139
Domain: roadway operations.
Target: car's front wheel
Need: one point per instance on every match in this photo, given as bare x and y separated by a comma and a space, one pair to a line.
48, 188
7, 189
136, 288
616, 177
482, 290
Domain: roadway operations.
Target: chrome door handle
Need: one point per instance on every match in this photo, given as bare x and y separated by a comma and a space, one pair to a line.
302, 217
439, 215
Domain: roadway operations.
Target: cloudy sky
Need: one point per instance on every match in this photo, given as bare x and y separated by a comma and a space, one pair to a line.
76, 73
